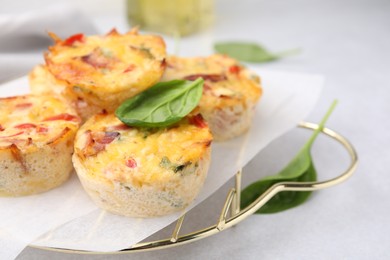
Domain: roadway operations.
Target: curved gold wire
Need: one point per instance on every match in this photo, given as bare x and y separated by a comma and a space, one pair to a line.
232, 203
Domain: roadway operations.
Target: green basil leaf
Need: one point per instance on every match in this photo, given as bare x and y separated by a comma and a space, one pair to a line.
251, 52
161, 105
300, 169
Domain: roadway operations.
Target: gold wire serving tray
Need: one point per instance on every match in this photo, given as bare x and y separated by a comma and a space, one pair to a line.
231, 213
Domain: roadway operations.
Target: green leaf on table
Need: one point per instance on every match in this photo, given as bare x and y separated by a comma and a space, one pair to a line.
300, 169
251, 52
161, 105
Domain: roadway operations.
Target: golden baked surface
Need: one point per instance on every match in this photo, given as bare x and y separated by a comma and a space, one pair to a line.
32, 121
101, 65
111, 151
36, 143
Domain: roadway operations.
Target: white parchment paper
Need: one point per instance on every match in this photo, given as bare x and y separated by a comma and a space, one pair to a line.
287, 99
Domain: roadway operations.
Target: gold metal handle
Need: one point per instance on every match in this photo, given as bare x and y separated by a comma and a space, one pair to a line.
232, 203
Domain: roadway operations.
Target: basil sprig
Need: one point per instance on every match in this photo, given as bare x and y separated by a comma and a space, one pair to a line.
300, 169
161, 105
251, 52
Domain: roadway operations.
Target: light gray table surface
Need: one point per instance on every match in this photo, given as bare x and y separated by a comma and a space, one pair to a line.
349, 43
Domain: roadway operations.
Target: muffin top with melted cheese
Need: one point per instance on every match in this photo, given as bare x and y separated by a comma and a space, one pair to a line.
103, 64
29, 122
112, 151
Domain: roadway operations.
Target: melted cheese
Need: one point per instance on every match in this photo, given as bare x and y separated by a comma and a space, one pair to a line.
109, 63
154, 154
24, 120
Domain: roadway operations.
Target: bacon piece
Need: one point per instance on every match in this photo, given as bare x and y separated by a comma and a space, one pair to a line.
210, 77
197, 120
64, 116
74, 38
1, 128
96, 142
107, 137
96, 59
91, 148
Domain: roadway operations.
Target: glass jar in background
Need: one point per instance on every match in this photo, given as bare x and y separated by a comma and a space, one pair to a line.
171, 17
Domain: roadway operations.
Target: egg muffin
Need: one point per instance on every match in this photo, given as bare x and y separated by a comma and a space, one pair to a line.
230, 91
36, 144
142, 172
41, 81
105, 70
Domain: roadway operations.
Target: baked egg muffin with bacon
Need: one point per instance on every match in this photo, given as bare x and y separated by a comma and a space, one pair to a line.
230, 91
36, 143
105, 70
142, 172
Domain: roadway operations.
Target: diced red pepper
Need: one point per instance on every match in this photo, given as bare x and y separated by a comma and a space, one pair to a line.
234, 69
131, 163
74, 38
198, 121
65, 116
25, 126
